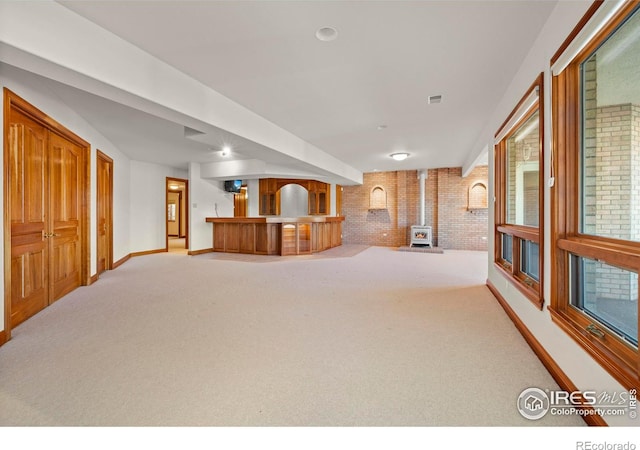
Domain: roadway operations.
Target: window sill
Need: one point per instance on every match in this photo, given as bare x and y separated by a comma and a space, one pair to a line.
618, 368
532, 293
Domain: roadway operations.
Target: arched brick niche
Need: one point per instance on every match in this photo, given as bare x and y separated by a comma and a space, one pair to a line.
378, 198
477, 196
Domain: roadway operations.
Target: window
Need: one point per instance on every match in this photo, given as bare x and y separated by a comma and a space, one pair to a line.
519, 160
171, 211
529, 259
607, 294
596, 198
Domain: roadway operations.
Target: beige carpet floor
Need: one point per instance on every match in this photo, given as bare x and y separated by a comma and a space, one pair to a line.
379, 338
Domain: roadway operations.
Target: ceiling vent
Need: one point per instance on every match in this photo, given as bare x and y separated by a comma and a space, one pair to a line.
191, 132
435, 99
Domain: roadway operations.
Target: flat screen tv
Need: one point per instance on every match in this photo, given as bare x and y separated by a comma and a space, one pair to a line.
233, 186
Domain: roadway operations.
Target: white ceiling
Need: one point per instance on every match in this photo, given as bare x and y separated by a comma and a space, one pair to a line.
388, 58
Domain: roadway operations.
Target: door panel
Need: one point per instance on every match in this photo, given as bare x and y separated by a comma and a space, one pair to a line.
29, 252
65, 163
29, 294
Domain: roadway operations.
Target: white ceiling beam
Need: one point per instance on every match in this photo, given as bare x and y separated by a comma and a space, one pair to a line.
38, 35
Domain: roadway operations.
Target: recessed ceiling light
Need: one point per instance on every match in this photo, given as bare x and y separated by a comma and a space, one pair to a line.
226, 151
434, 99
399, 156
381, 127
327, 34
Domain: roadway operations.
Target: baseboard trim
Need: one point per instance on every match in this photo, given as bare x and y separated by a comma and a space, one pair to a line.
3, 337
149, 252
554, 369
200, 252
93, 279
121, 261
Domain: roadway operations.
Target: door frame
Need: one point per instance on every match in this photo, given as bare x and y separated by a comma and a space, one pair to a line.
13, 101
102, 157
168, 181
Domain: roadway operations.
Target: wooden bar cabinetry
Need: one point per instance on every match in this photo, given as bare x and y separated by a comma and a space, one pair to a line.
276, 236
269, 197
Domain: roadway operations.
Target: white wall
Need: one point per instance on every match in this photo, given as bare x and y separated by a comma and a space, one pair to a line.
572, 359
253, 196
148, 205
332, 197
205, 196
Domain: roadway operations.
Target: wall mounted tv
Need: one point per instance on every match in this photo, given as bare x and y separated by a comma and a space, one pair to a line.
233, 186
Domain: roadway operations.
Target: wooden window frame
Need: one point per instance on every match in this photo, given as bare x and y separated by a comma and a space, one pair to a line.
529, 287
610, 351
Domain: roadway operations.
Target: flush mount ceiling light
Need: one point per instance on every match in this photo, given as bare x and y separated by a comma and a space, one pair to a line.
399, 156
226, 151
326, 34
434, 99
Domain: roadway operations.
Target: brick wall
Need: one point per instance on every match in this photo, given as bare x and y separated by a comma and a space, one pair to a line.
611, 185
458, 227
523, 207
611, 199
377, 225
446, 202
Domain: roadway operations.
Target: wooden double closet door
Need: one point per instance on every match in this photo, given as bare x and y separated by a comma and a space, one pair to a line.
46, 195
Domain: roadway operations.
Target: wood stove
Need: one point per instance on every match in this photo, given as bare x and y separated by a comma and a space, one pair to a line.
421, 236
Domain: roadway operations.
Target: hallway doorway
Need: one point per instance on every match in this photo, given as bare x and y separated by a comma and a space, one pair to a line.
177, 219
177, 245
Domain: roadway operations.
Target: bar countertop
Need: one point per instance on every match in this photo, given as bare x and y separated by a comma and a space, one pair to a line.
275, 219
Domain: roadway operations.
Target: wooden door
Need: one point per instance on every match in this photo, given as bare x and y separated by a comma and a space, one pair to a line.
27, 173
240, 203
65, 209
46, 202
104, 217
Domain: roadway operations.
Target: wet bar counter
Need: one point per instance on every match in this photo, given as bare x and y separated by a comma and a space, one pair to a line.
276, 235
